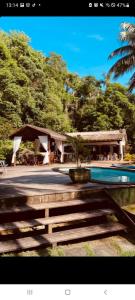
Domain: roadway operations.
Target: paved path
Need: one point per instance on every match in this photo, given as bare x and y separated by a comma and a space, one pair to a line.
110, 246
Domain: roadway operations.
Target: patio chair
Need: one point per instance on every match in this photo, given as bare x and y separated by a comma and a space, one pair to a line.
31, 160
101, 157
3, 165
39, 159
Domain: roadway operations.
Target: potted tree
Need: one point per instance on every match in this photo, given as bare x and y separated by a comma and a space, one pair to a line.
79, 174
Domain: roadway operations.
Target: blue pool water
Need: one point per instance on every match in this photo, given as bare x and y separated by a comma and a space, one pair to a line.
112, 175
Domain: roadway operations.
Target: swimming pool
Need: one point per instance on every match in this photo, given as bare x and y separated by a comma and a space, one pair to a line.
108, 175
112, 176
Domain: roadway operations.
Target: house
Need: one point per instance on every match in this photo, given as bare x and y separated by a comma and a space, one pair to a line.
56, 148
107, 144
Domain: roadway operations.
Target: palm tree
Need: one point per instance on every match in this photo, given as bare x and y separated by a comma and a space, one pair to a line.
106, 80
127, 61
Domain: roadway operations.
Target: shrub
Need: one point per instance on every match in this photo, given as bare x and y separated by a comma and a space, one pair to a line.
80, 150
133, 157
6, 150
128, 157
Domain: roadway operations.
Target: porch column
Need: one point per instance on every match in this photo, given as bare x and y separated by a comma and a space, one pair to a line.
37, 145
111, 151
99, 149
121, 150
49, 150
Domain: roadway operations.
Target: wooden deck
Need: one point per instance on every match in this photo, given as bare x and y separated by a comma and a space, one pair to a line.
28, 243
49, 223
15, 226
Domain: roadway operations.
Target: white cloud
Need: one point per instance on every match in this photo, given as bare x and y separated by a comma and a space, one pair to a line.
73, 47
97, 37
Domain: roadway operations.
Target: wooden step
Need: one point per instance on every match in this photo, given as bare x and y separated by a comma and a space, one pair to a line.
48, 205
54, 238
18, 225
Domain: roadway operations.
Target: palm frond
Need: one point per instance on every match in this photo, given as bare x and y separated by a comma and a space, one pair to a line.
128, 26
127, 37
132, 83
127, 62
124, 64
121, 50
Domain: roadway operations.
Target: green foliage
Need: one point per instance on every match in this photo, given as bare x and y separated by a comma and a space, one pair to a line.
6, 150
133, 157
120, 251
88, 250
129, 157
39, 90
27, 145
127, 54
32, 86
80, 150
6, 128
57, 251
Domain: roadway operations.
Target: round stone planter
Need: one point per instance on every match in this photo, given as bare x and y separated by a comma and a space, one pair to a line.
79, 175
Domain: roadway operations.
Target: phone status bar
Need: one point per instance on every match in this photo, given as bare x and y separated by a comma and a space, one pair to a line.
22, 5
109, 5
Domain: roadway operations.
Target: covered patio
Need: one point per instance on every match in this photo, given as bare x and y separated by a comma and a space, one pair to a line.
48, 144
52, 147
104, 145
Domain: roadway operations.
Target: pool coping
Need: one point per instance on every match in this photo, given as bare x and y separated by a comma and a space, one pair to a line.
104, 182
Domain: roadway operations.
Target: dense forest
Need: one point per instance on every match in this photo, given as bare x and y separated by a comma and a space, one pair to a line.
40, 90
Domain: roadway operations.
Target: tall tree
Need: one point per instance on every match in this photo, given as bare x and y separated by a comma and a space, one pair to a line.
127, 61
32, 86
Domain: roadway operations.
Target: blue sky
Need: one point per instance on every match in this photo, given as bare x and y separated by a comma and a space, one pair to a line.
83, 42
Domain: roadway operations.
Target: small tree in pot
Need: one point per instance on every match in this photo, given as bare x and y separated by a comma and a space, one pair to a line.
79, 174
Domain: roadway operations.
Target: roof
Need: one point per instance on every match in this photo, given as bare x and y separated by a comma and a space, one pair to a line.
97, 136
30, 132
